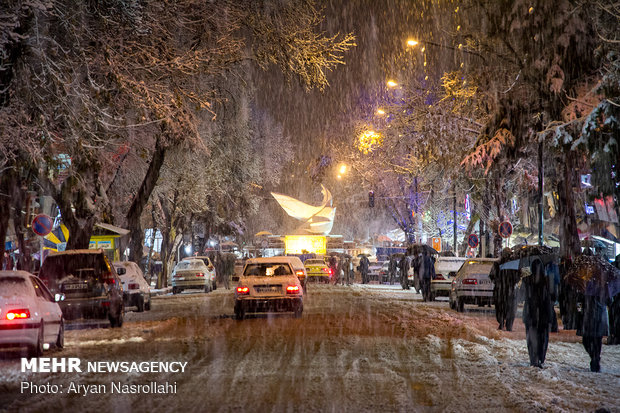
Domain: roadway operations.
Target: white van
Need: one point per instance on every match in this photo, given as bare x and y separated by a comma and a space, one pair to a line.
445, 271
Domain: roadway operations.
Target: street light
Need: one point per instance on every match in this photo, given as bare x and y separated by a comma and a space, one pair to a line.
412, 42
380, 111
343, 169
392, 83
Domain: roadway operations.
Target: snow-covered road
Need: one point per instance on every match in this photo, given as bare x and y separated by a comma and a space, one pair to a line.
360, 348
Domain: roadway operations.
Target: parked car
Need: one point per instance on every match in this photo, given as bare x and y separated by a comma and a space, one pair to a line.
191, 274
373, 270
210, 268
445, 270
384, 273
29, 313
90, 284
317, 270
472, 284
269, 285
136, 291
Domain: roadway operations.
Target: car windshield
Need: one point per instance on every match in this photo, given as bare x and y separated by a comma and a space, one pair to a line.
478, 268
13, 286
189, 265
83, 267
267, 269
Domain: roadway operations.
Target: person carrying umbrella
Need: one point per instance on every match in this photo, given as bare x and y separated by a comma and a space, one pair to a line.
599, 282
505, 277
536, 311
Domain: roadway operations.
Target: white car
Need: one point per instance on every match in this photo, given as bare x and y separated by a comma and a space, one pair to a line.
191, 274
210, 268
269, 285
29, 315
445, 271
136, 291
472, 284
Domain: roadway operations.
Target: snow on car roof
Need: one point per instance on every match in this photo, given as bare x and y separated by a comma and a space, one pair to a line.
17, 273
76, 252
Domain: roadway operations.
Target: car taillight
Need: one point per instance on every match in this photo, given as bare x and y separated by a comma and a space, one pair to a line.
18, 314
109, 278
331, 271
105, 303
133, 286
439, 277
299, 273
243, 290
292, 289
325, 270
200, 274
471, 281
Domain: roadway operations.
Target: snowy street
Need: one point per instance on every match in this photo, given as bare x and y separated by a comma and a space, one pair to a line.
359, 348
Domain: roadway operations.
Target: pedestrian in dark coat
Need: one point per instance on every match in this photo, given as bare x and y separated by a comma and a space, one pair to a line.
536, 314
614, 315
364, 268
595, 326
392, 269
404, 269
504, 294
426, 272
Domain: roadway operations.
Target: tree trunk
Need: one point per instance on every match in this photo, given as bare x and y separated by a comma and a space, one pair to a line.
18, 197
141, 199
569, 237
6, 182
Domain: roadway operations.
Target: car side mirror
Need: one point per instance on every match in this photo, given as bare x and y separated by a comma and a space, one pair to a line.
121, 271
59, 297
210, 267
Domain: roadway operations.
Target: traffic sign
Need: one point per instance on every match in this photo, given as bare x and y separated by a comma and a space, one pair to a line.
437, 243
42, 225
472, 241
505, 229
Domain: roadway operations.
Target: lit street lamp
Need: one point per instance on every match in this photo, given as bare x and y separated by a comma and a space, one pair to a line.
392, 83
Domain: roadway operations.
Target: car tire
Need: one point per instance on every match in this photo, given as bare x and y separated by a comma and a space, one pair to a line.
460, 305
299, 311
452, 304
175, 290
147, 305
140, 304
239, 312
214, 285
431, 296
60, 340
37, 349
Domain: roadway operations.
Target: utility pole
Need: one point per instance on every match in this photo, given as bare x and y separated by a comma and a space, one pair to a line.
540, 193
456, 252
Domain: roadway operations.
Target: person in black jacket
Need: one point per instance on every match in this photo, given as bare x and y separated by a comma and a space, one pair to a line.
594, 327
614, 314
504, 294
426, 273
536, 315
404, 270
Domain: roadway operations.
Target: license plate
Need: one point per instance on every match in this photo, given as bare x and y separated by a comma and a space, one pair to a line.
275, 289
75, 286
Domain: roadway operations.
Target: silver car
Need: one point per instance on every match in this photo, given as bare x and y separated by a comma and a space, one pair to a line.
472, 284
191, 274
